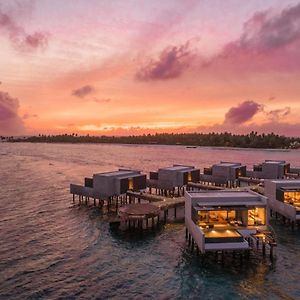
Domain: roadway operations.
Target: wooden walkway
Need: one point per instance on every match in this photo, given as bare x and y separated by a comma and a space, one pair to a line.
201, 186
162, 202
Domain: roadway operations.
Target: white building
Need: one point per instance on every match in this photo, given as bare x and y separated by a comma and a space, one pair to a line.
284, 197
221, 220
108, 184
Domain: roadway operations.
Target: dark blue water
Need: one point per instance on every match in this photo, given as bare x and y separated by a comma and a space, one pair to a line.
50, 249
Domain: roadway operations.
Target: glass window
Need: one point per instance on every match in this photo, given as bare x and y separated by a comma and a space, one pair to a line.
257, 216
130, 184
292, 197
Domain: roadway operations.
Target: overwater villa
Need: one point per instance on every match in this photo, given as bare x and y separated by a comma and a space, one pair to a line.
169, 179
225, 220
270, 169
104, 186
223, 173
284, 198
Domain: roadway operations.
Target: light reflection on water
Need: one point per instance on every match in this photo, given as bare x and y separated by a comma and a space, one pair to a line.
51, 249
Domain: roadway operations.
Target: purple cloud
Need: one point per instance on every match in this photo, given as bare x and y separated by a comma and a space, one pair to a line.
278, 114
172, 62
242, 113
265, 32
83, 91
29, 116
283, 128
18, 36
10, 122
269, 41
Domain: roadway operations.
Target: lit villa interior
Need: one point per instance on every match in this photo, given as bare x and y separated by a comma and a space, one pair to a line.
289, 196
222, 220
284, 197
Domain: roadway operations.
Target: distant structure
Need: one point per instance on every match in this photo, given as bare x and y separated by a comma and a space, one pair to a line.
284, 198
173, 179
223, 173
110, 184
227, 220
270, 169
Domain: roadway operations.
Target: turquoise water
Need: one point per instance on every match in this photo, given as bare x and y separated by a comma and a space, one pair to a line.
51, 249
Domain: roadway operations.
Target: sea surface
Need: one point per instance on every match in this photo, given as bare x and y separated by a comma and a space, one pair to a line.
52, 249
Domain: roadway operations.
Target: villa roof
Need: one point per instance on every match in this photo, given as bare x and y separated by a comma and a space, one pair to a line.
177, 168
226, 198
119, 173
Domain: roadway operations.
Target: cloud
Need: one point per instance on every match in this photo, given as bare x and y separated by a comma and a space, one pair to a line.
83, 91
242, 113
104, 100
29, 116
20, 39
282, 128
278, 114
271, 98
172, 62
264, 32
10, 122
268, 41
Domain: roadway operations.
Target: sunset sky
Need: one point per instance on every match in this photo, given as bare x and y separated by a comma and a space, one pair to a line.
132, 67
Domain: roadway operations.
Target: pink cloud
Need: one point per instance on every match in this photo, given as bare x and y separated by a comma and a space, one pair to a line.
83, 91
281, 128
10, 122
278, 114
172, 62
29, 116
242, 113
20, 39
268, 42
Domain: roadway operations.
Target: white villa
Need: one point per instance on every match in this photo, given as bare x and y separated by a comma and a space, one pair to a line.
222, 220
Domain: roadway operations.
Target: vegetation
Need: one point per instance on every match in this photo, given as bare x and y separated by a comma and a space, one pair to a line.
251, 140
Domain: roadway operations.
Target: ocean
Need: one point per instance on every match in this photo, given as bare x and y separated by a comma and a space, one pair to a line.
53, 249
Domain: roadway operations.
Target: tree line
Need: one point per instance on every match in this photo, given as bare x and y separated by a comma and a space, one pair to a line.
226, 139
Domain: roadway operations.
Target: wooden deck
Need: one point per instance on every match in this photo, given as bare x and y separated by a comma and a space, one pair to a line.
163, 203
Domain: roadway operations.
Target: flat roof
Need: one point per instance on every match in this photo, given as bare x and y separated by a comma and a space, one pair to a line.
228, 164
274, 160
177, 168
214, 194
290, 188
225, 198
117, 173
286, 181
131, 175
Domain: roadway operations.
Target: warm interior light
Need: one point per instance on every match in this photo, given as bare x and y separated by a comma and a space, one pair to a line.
130, 184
